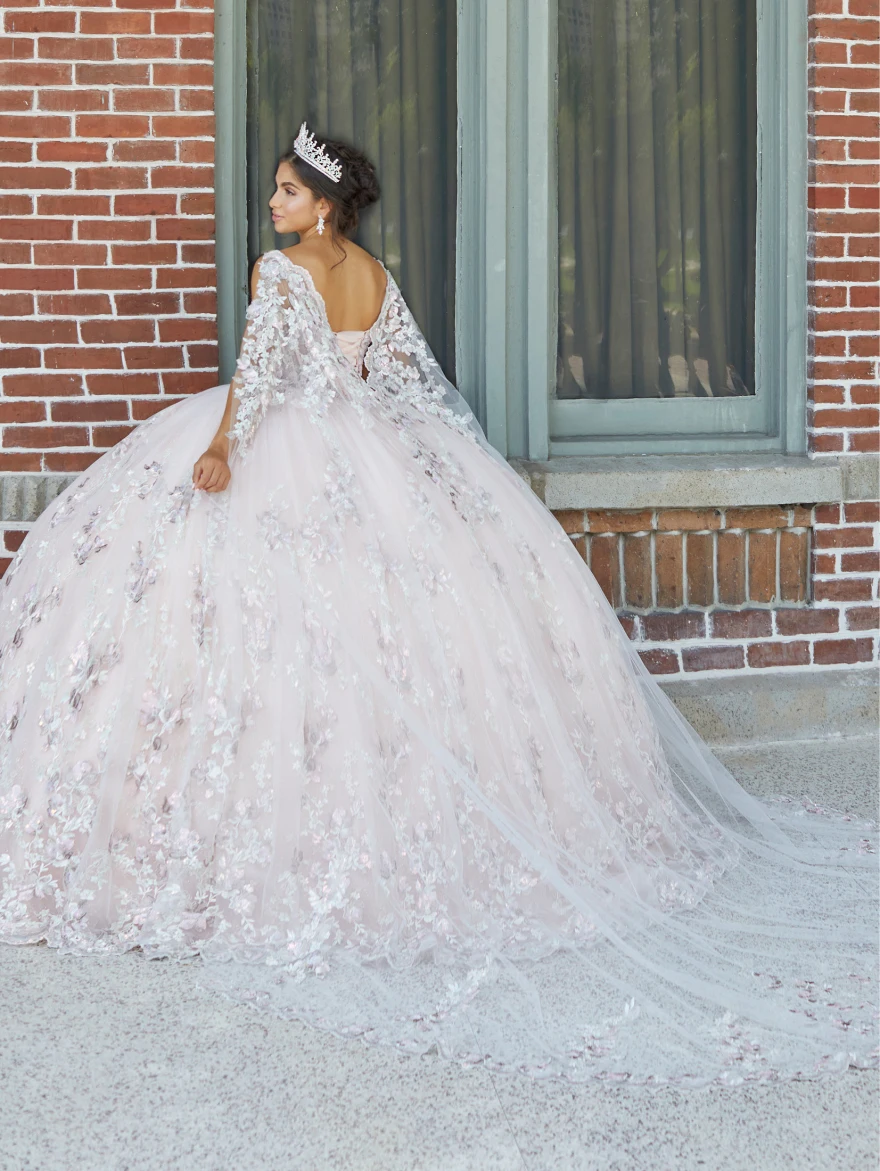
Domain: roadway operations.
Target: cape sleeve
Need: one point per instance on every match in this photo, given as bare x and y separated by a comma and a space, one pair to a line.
400, 363
269, 366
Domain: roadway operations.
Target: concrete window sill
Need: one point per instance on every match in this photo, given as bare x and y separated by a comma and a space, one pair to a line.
613, 482
697, 481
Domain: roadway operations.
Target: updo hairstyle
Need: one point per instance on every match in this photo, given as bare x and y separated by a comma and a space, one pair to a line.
357, 188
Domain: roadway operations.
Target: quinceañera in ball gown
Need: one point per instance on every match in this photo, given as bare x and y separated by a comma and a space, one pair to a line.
360, 738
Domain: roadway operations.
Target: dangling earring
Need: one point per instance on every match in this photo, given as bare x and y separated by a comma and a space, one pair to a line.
320, 225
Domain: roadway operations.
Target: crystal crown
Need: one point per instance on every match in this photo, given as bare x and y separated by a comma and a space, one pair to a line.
306, 147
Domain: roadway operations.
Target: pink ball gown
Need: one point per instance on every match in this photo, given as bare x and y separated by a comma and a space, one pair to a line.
361, 738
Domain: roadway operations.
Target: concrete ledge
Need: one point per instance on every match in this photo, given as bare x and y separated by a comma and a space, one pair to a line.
684, 481
779, 705
861, 476
617, 482
23, 496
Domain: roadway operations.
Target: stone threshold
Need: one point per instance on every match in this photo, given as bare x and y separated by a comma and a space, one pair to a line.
698, 481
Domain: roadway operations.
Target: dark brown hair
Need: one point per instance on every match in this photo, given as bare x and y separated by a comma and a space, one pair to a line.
357, 188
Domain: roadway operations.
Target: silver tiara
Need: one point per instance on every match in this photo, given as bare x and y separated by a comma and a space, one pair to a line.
306, 147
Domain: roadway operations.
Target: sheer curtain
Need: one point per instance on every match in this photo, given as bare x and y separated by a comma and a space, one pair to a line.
657, 198
381, 74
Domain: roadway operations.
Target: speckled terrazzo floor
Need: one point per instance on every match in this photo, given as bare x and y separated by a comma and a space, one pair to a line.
122, 1065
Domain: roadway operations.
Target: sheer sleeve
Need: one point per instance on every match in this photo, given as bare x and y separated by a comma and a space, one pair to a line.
400, 362
267, 362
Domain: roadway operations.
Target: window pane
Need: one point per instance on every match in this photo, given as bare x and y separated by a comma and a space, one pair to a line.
657, 198
381, 74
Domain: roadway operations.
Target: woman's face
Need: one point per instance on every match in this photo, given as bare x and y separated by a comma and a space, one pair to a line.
294, 207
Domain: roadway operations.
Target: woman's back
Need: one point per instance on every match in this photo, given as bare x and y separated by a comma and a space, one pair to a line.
352, 290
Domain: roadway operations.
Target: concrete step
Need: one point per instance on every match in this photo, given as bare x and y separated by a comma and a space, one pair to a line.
780, 705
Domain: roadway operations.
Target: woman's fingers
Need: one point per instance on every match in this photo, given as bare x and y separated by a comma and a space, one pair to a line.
211, 475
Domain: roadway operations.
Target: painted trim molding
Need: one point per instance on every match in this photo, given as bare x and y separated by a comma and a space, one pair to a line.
230, 178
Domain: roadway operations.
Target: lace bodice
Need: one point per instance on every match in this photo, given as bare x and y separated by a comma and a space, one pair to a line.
289, 355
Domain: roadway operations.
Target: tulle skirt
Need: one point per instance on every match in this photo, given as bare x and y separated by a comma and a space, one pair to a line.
361, 738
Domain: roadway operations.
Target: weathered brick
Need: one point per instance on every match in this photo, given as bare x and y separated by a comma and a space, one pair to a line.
863, 441
145, 150
33, 385
685, 624
153, 357
109, 436
628, 622
848, 589
860, 562
807, 621
862, 512
605, 565
23, 411
123, 383
118, 330
84, 358
762, 566
700, 569
75, 304
89, 412
669, 570
689, 519
190, 329
19, 358
828, 514
863, 618
660, 662
45, 436
741, 624
843, 650
188, 381
572, 520
779, 654
712, 658
619, 522
794, 562
756, 518
42, 331
844, 538
637, 572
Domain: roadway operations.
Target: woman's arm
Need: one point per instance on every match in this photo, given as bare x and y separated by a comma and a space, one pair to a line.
219, 445
211, 470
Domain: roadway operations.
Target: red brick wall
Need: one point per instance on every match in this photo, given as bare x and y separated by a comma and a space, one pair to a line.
106, 222
845, 231
725, 589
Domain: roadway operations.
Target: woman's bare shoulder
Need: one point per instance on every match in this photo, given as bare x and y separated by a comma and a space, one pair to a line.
324, 268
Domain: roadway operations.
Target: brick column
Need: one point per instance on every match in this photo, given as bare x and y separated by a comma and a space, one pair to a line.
106, 199
845, 231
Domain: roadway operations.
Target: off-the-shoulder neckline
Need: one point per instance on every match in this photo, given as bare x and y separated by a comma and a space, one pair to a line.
323, 305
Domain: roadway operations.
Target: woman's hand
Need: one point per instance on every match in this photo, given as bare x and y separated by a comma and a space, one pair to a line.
211, 472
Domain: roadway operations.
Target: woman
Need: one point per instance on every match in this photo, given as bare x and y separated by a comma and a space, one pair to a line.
338, 712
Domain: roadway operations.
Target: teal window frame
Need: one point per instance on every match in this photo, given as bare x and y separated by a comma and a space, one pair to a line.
506, 243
